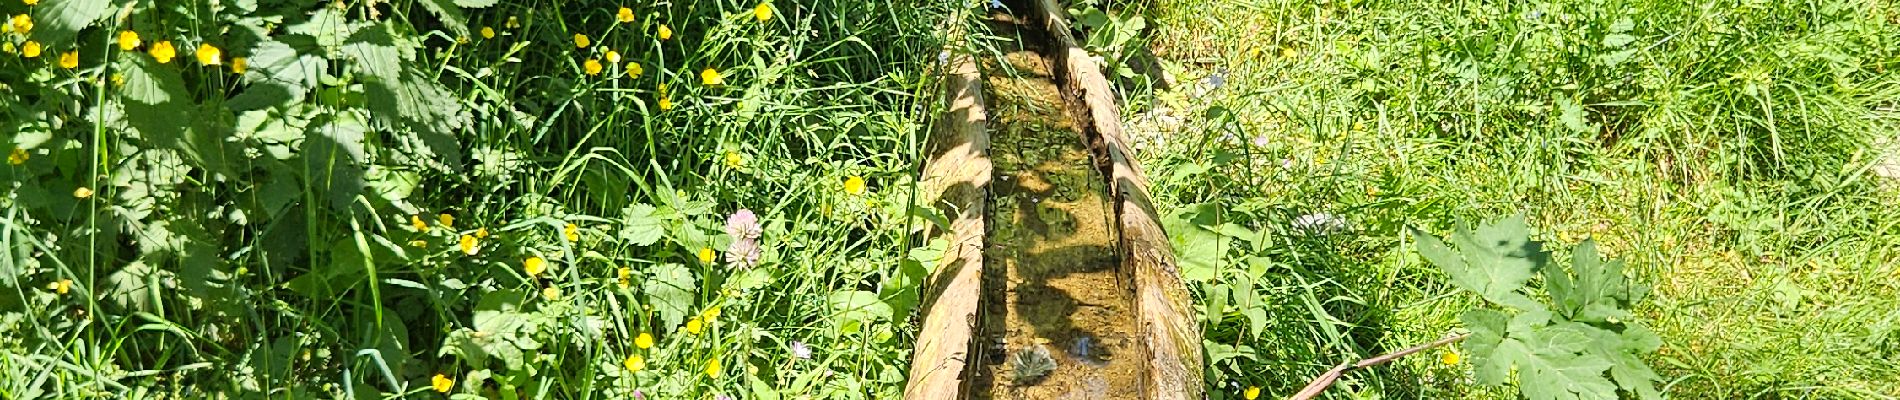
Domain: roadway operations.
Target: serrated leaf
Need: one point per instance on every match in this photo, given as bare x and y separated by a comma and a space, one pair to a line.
449, 13
408, 98
1573, 116
1487, 331
1494, 260
280, 73
58, 20
1591, 289
640, 226
333, 157
499, 312
670, 289
1544, 374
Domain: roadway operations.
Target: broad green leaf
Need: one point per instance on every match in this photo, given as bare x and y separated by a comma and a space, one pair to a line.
1487, 331
407, 98
640, 225
1494, 260
1546, 374
499, 312
858, 306
670, 288
1573, 116
154, 98
58, 20
282, 72
334, 158
449, 13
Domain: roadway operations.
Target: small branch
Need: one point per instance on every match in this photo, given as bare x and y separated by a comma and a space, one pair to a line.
1326, 380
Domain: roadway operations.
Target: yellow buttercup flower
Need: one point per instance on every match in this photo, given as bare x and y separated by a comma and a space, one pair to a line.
512, 23
624, 277
710, 313
22, 23
854, 185
17, 156
239, 64
62, 286
734, 160
442, 383
82, 192
416, 221
551, 293
447, 221
666, 104
1449, 358
634, 69
763, 12
581, 41
572, 233
163, 51
1253, 392
644, 341
1288, 52
591, 67
694, 326
613, 57
469, 245
534, 265
665, 32
30, 2
712, 368
69, 60
635, 363
481, 233
210, 55
30, 50
128, 40
625, 15
710, 77
705, 255
488, 33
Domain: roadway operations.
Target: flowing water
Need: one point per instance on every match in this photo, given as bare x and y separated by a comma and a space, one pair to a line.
1057, 319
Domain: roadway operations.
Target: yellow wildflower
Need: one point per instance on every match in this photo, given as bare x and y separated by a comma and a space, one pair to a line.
581, 41
634, 70
118, 79
710, 313
644, 341
625, 15
469, 245
239, 64
625, 276
163, 51
534, 266
1253, 392
591, 67
481, 233
488, 33
69, 60
512, 23
763, 12
665, 32
442, 383
572, 232
82, 192
447, 221
613, 57
416, 221
694, 326
712, 368
30, 2
734, 160
210, 55
1288, 52
551, 293
419, 243
854, 185
128, 40
710, 77
635, 363
705, 255
666, 104
30, 50
1449, 358
17, 156
22, 23
62, 286
6, 46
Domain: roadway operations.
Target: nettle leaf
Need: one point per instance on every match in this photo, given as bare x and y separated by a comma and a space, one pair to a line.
400, 93
640, 225
670, 288
154, 98
282, 72
1598, 290
58, 20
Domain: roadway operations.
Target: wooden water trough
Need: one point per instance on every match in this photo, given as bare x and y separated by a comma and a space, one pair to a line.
1054, 240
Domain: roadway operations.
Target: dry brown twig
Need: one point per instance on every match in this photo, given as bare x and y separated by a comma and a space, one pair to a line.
1326, 380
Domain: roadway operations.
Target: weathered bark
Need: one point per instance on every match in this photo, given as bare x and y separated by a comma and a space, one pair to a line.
956, 181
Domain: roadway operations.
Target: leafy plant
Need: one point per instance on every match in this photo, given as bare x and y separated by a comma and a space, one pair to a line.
1574, 339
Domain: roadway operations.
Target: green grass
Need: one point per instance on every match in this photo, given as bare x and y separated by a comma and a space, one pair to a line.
1726, 158
250, 235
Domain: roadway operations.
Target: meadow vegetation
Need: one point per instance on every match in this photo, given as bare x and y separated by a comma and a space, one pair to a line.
714, 199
